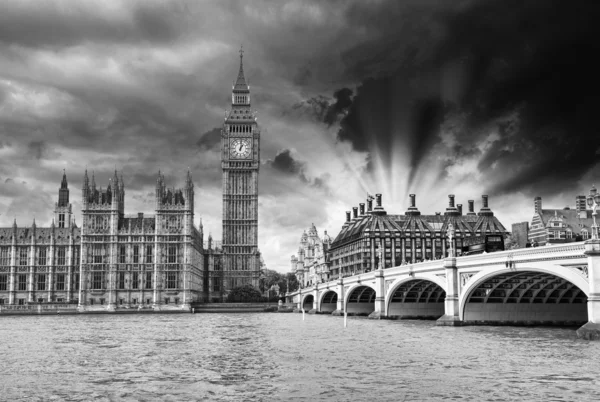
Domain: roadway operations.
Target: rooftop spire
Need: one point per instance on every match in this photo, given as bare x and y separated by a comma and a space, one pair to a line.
63, 183
240, 83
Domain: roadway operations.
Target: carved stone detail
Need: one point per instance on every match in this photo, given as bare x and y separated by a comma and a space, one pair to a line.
464, 278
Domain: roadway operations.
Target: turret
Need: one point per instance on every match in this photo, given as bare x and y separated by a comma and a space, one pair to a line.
62, 208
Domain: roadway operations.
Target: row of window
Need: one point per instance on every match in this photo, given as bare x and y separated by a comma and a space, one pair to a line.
21, 302
102, 301
136, 280
41, 255
41, 282
99, 254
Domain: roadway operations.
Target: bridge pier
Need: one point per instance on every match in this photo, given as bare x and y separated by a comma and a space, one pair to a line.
379, 312
591, 330
315, 294
451, 315
340, 300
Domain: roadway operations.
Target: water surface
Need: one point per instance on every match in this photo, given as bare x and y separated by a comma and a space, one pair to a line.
270, 356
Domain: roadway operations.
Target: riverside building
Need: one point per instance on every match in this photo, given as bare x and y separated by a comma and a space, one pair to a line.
562, 225
404, 238
312, 263
157, 261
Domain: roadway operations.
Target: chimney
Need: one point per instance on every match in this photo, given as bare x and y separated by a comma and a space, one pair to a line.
140, 215
369, 204
362, 208
459, 206
347, 216
355, 212
485, 210
378, 208
438, 213
451, 210
471, 207
412, 210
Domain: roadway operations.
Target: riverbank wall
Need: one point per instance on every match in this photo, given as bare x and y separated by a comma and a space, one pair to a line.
195, 308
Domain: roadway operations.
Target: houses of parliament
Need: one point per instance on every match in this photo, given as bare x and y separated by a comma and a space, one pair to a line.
158, 261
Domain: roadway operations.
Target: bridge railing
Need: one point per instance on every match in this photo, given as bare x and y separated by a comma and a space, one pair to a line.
575, 249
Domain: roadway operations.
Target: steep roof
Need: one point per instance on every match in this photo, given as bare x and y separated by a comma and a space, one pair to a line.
414, 225
569, 217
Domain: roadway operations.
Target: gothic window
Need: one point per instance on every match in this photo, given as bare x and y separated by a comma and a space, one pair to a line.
61, 220
4, 282
76, 256
98, 254
4, 256
41, 282
172, 254
23, 256
121, 280
75, 282
148, 280
136, 254
585, 234
61, 256
97, 279
122, 254
135, 280
171, 280
60, 282
42, 256
22, 282
149, 252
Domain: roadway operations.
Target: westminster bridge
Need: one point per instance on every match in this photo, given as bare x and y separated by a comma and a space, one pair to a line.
551, 285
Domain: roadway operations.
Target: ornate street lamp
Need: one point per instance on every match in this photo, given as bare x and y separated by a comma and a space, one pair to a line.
593, 200
450, 234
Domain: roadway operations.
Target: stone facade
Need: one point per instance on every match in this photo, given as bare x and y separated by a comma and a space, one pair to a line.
519, 234
240, 161
312, 264
41, 265
134, 261
405, 239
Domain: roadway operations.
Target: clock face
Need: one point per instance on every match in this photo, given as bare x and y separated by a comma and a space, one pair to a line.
240, 148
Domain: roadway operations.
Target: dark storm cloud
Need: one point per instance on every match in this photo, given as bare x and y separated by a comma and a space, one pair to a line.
485, 60
343, 100
285, 163
211, 140
77, 22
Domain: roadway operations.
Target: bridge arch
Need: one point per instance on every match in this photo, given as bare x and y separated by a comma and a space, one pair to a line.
360, 299
307, 302
418, 296
532, 295
328, 301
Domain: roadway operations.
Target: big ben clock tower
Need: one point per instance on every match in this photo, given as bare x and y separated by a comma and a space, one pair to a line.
240, 159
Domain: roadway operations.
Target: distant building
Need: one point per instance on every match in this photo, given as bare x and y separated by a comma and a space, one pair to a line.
41, 265
312, 264
551, 226
407, 238
520, 234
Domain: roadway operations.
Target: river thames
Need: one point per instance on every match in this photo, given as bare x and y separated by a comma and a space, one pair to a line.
270, 356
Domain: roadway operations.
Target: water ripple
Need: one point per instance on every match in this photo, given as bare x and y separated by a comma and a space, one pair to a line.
259, 357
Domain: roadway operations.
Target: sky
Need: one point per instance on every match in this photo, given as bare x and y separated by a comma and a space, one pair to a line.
496, 97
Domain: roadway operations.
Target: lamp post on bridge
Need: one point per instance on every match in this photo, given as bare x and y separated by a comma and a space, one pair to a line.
591, 330
593, 201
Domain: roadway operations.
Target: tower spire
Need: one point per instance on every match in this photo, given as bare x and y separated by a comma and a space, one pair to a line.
240, 83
